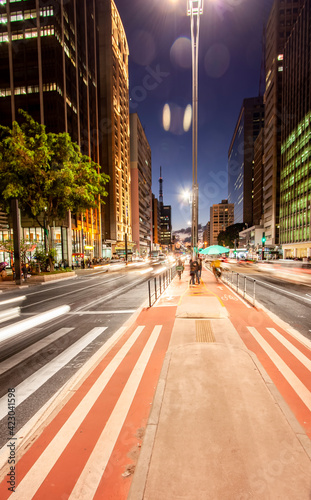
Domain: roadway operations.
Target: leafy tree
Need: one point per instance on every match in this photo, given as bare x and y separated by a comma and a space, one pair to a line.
231, 233
222, 238
8, 246
47, 173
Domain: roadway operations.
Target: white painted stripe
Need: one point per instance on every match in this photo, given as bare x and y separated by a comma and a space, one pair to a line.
37, 474
292, 379
15, 299
298, 354
37, 379
31, 350
11, 313
124, 311
26, 324
87, 483
53, 402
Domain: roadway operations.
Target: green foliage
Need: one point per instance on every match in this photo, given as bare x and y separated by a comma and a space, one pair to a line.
46, 172
8, 246
57, 271
41, 258
231, 233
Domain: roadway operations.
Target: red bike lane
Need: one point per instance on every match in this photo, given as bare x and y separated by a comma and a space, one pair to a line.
286, 359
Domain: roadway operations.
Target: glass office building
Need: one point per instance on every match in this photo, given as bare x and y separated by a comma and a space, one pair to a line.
295, 203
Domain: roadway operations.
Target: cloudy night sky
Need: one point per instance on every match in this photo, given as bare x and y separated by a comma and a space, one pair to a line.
230, 52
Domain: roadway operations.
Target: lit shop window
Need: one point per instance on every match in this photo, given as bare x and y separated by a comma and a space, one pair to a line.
3, 19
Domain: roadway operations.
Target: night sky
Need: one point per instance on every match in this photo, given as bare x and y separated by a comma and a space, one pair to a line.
230, 51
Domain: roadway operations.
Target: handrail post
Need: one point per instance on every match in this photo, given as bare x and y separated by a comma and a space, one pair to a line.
155, 288
244, 286
237, 282
254, 293
149, 291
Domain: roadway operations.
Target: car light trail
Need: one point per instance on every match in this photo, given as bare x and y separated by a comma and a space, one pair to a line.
26, 324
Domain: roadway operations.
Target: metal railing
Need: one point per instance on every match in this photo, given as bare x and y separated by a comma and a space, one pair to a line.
242, 284
159, 283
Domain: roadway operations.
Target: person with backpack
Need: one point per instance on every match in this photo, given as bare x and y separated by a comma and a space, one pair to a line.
194, 272
179, 268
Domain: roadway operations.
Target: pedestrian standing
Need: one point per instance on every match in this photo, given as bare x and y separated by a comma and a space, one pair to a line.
24, 270
194, 268
199, 267
179, 268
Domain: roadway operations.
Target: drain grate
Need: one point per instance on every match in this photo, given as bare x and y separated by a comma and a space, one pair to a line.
203, 331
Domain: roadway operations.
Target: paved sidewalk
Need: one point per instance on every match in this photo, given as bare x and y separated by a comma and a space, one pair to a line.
218, 428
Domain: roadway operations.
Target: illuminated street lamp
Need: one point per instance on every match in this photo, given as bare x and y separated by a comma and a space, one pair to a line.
194, 10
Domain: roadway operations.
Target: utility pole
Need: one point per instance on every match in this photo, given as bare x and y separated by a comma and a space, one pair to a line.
194, 10
125, 237
16, 240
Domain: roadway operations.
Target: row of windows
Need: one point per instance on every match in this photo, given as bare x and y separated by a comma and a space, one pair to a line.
301, 127
31, 89
296, 205
28, 33
299, 188
296, 222
27, 14
3, 2
304, 141
302, 234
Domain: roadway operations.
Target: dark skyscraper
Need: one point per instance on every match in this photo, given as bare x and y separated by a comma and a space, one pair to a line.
49, 68
161, 188
66, 64
241, 159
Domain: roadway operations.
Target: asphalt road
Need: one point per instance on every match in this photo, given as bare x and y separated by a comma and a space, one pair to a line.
37, 362
290, 301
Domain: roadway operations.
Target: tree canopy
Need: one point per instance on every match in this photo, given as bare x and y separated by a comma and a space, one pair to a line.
46, 172
231, 233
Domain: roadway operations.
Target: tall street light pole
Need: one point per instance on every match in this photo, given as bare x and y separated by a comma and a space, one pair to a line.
194, 10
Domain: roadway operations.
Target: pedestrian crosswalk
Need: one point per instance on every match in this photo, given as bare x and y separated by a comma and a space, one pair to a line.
37, 379
288, 363
71, 454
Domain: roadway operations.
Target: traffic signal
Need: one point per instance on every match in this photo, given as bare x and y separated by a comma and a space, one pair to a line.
263, 239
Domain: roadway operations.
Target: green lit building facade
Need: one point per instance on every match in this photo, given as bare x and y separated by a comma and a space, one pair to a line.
295, 191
